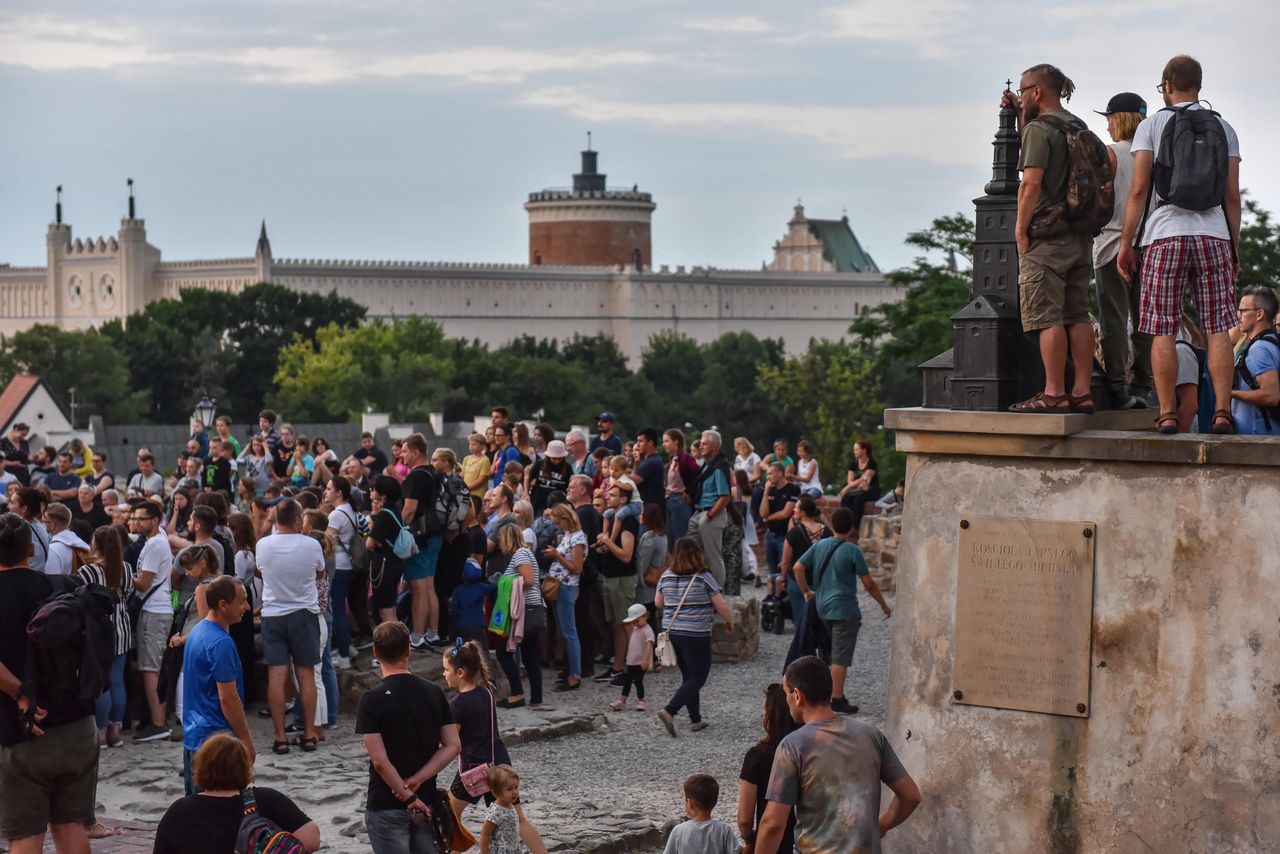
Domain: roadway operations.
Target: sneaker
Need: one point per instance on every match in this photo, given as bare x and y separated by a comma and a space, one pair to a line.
640, 707
151, 732
293, 729
668, 722
363, 642
419, 643
568, 686
607, 676
437, 642
618, 681
841, 706
352, 652
342, 663
699, 726
618, 704
115, 741
373, 662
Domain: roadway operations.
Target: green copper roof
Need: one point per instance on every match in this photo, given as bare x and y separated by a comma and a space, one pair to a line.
841, 247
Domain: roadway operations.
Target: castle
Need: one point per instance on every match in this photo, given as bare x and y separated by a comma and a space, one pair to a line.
589, 272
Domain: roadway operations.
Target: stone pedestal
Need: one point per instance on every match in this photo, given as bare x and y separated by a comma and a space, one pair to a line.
429, 665
744, 640
1178, 749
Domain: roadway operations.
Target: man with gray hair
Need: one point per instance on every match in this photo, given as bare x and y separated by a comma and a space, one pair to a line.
711, 496
576, 443
1255, 399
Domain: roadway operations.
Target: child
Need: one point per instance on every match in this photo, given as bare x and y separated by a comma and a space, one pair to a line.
477, 470
619, 473
639, 656
467, 604
473, 709
702, 834
501, 831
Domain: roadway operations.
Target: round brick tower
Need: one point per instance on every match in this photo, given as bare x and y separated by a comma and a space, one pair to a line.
590, 225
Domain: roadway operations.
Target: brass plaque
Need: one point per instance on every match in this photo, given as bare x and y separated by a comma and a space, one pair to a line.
1024, 615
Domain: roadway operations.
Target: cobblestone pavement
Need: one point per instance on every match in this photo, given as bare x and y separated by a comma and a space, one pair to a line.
593, 780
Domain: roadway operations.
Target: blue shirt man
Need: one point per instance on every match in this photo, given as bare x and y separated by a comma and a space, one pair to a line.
213, 678
1256, 386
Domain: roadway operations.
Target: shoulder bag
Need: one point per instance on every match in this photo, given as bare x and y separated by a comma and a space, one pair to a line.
663, 650
474, 780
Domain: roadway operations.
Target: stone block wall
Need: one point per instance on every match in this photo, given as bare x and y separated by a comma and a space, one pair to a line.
879, 539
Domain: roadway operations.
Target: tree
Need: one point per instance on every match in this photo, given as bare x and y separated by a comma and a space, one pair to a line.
729, 395
673, 364
828, 395
402, 367
84, 360
1259, 247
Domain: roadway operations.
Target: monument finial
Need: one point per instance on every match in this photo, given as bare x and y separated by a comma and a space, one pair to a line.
1004, 163
588, 140
57, 208
132, 208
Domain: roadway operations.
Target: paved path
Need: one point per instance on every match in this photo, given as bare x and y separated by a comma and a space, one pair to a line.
592, 780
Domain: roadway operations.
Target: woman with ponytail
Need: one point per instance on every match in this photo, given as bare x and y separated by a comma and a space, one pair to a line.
474, 712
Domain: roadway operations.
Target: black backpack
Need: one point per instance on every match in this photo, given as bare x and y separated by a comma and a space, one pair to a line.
74, 645
1270, 414
1190, 168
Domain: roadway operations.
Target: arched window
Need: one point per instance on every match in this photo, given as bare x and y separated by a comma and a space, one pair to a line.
537, 259
637, 260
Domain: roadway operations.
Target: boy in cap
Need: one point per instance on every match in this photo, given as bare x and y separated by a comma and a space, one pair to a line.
606, 438
1117, 298
639, 656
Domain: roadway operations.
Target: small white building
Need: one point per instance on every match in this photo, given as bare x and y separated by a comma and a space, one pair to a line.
28, 400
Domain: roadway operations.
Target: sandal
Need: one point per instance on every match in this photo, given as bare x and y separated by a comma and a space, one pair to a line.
308, 745
101, 831
1082, 405
1042, 402
1162, 425
1225, 427
280, 748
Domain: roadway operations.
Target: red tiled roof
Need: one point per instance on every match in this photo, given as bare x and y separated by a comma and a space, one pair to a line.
14, 395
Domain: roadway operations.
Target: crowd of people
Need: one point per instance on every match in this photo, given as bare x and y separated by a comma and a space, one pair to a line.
590, 555
1174, 227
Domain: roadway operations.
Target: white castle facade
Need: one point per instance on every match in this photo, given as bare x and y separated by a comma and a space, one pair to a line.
807, 292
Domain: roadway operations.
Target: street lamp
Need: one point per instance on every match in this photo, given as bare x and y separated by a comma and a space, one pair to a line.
205, 410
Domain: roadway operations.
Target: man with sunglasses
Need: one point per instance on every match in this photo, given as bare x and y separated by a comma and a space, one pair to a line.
1256, 395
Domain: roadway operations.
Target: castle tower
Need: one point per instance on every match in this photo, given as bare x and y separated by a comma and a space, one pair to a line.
590, 225
138, 261
262, 256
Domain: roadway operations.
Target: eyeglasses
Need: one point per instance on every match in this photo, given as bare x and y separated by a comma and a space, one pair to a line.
1160, 87
1027, 89
1242, 309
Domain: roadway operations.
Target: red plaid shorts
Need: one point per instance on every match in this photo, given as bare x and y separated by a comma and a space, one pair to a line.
1169, 265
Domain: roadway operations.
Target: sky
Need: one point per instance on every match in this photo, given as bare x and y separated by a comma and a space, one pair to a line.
381, 129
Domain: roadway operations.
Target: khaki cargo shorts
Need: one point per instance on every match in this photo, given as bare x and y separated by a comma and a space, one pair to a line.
1053, 281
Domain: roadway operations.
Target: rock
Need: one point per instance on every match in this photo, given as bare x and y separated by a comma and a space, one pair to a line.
744, 640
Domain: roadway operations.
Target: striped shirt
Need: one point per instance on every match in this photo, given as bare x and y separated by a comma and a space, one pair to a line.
532, 592
92, 573
697, 615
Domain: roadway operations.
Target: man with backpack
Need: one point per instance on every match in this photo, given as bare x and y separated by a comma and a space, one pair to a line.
1255, 400
1054, 232
48, 748
1184, 211
421, 490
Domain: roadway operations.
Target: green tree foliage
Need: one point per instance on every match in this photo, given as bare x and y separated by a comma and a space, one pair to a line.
87, 361
1259, 247
222, 344
828, 395
403, 367
729, 395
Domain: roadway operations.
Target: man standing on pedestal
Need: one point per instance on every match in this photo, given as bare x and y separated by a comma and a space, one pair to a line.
1055, 261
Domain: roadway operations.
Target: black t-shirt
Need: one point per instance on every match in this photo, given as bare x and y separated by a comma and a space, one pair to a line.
654, 485
408, 712
202, 824
95, 515
590, 521
422, 485
281, 457
873, 491
217, 475
21, 592
613, 443
384, 529
375, 459
18, 453
756, 767
611, 565
547, 478
477, 722
800, 541
776, 500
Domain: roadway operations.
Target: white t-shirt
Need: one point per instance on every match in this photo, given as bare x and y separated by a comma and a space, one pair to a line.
141, 484
39, 546
246, 563
1171, 220
749, 463
60, 546
341, 522
807, 472
289, 563
157, 557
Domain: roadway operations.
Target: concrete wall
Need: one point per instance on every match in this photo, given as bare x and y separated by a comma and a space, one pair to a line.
1181, 750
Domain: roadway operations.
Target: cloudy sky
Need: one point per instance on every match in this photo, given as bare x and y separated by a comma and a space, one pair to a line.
390, 129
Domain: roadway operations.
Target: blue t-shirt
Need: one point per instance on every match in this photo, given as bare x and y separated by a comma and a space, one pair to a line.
208, 657
467, 603
500, 460
655, 484
1261, 358
55, 481
713, 488
836, 583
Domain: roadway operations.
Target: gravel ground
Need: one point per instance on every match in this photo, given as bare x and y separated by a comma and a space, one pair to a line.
634, 767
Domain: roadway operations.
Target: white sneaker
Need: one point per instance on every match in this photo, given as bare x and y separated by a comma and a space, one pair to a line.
342, 663
352, 652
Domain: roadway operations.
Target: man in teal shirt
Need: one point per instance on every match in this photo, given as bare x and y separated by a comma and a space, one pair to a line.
711, 497
836, 565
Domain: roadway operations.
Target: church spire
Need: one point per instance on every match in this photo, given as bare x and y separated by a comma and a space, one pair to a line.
264, 245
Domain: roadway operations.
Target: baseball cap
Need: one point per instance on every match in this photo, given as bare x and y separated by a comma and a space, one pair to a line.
1125, 102
635, 612
557, 450
607, 416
